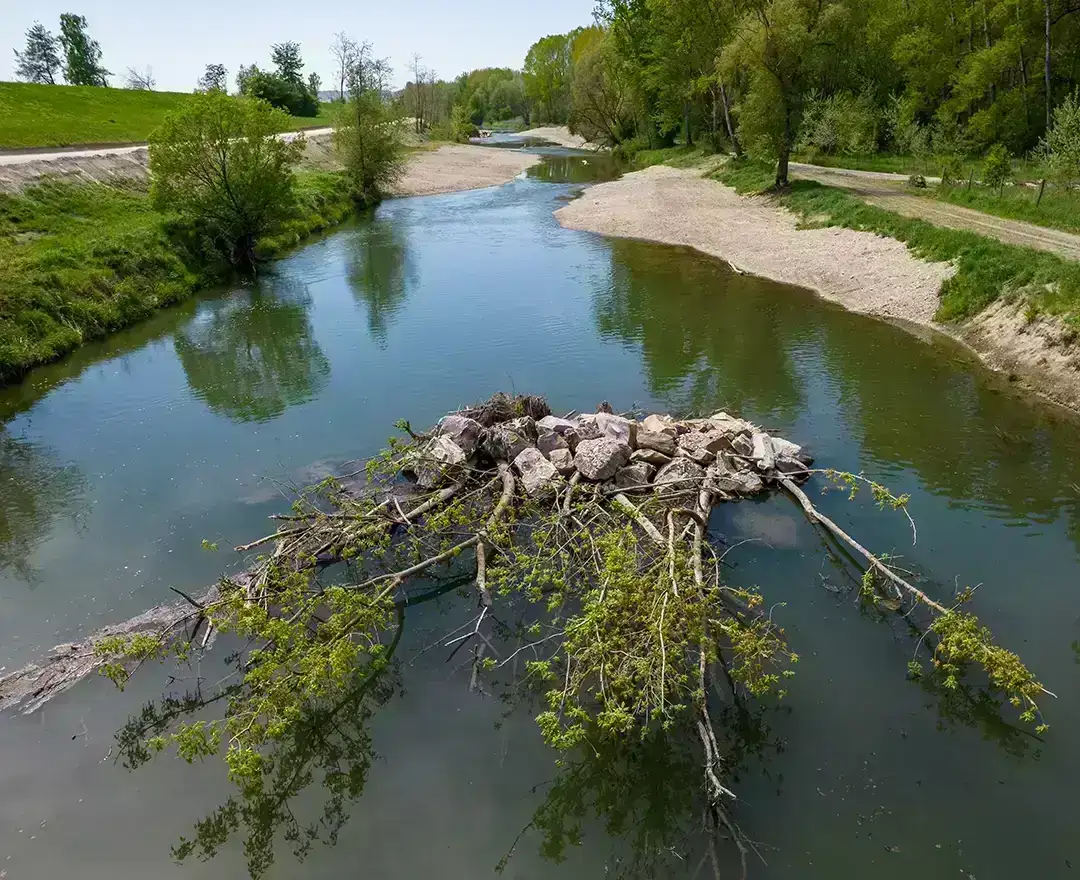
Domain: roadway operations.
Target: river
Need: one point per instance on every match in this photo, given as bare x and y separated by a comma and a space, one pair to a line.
116, 463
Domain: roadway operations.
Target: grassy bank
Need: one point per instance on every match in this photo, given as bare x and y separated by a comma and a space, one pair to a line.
985, 269
1057, 210
928, 166
56, 116
80, 261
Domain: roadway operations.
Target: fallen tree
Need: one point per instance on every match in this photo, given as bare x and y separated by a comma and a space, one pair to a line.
586, 543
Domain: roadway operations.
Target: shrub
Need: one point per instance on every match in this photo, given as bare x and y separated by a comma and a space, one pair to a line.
217, 161
840, 123
369, 139
292, 97
1061, 146
997, 169
917, 181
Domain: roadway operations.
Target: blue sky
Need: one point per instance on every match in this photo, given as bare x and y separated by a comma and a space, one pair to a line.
178, 39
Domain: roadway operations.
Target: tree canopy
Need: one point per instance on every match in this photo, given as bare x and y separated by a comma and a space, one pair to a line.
82, 55
39, 62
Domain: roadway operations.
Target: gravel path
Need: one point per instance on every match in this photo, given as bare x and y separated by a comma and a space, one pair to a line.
887, 191
862, 271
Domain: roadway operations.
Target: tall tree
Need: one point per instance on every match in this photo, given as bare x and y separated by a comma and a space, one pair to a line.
214, 79
346, 52
547, 76
82, 65
287, 60
39, 62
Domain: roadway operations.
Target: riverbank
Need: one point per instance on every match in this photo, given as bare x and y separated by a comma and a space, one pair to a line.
869, 273
85, 255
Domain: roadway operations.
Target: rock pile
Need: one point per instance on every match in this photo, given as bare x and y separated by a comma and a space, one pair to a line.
725, 455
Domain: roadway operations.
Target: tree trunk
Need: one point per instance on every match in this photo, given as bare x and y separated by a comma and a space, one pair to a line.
785, 150
727, 122
1046, 70
687, 133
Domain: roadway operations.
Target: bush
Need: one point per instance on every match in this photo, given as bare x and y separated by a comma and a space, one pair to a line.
840, 123
997, 169
1061, 146
292, 97
218, 163
369, 138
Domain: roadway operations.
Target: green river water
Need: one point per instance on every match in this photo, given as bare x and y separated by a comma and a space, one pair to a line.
118, 461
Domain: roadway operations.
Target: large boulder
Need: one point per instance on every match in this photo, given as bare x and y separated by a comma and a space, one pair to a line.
438, 461
720, 478
617, 428
660, 425
563, 459
588, 428
599, 459
701, 446
657, 441
548, 441
634, 476
506, 440
743, 445
650, 456
679, 474
729, 425
538, 475
465, 432
565, 428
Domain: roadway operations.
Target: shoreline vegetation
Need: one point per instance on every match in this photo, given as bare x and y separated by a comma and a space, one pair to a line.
1017, 308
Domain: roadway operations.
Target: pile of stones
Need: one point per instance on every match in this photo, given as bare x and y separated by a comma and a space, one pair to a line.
728, 456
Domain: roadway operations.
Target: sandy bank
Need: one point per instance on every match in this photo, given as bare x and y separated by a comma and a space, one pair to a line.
460, 167
559, 134
446, 169
861, 271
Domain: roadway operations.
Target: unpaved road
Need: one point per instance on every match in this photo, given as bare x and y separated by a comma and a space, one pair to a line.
887, 191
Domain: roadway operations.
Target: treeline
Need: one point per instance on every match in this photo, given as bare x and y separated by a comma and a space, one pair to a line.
828, 76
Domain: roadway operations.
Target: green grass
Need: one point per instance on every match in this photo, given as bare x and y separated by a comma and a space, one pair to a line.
80, 261
1023, 169
1057, 210
677, 157
985, 269
57, 116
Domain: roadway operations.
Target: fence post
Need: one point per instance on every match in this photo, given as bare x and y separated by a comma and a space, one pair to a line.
1042, 186
971, 178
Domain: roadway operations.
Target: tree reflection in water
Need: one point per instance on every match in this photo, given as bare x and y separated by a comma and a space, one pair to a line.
252, 355
380, 273
34, 491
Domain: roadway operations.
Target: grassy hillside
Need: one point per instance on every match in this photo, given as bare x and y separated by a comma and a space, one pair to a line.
57, 116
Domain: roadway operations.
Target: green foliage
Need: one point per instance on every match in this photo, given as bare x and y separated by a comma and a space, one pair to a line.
985, 268
997, 167
369, 136
603, 108
1058, 208
79, 262
217, 162
278, 91
547, 77
82, 55
287, 60
840, 123
214, 79
1061, 146
39, 62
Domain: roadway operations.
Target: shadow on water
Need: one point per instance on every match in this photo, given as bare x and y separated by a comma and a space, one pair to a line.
252, 355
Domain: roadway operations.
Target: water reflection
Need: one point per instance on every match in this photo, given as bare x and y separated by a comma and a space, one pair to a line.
706, 334
252, 355
577, 168
380, 273
34, 491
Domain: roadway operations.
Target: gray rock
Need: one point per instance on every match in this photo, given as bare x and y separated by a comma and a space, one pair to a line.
733, 482
660, 425
617, 428
650, 456
505, 441
634, 476
678, 474
599, 459
549, 441
729, 425
763, 453
563, 459
701, 446
538, 475
743, 445
657, 441
565, 428
438, 462
588, 428
465, 432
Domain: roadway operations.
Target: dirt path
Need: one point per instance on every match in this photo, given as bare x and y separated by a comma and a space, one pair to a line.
887, 191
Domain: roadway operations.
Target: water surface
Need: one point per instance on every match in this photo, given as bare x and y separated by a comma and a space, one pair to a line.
117, 462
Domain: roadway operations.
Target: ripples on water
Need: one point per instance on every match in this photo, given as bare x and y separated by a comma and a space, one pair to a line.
117, 462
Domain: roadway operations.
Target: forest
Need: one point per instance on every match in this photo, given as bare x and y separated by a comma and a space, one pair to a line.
835, 77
